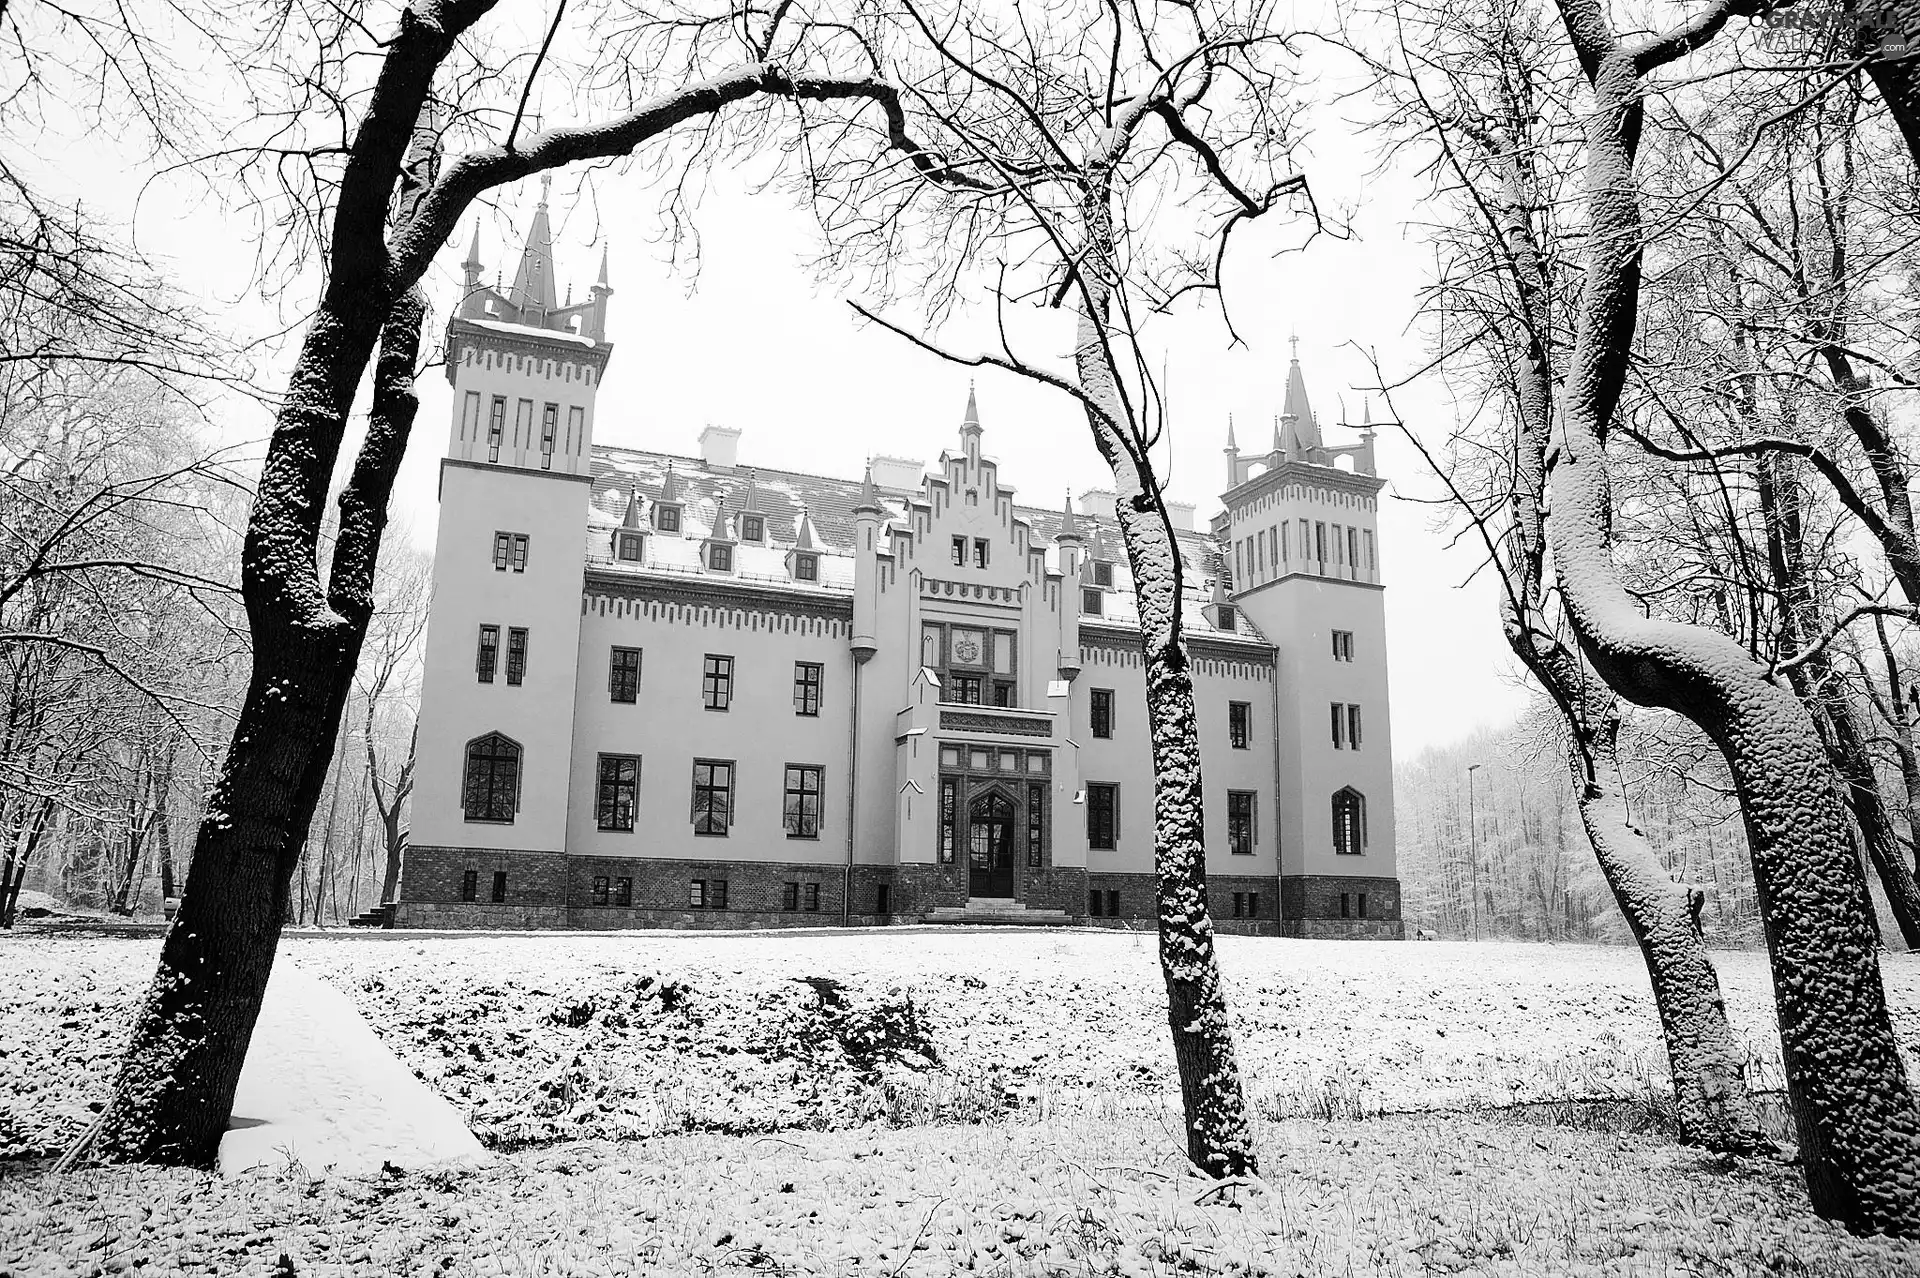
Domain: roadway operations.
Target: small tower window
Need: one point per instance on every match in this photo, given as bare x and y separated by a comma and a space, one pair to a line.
1092, 602
806, 567
666, 516
549, 427
959, 552
1103, 574
979, 552
631, 547
1349, 822
753, 528
720, 558
1229, 619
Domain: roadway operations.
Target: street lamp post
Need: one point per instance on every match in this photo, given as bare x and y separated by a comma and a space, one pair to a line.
1473, 853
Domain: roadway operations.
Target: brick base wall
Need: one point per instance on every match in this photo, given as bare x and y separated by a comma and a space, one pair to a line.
1138, 904
1311, 905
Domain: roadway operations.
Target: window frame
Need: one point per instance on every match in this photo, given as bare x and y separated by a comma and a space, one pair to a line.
1342, 645
720, 557
1243, 822
982, 552
623, 892
486, 657
705, 821
498, 894
666, 516
1337, 724
517, 641
753, 527
616, 685
1352, 824
806, 566
470, 885
1093, 602
1100, 713
630, 540
1108, 808
501, 749
959, 552
616, 819
809, 678
1103, 573
716, 681
1353, 726
795, 798
1240, 725
810, 897
790, 896
601, 889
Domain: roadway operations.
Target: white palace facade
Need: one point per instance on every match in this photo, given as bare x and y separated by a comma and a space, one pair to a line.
686, 692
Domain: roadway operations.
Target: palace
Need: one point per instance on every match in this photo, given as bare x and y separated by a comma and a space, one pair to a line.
685, 692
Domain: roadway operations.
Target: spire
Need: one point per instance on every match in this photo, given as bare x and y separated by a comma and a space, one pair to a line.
1278, 445
720, 518
472, 265
602, 281
1296, 409
803, 536
632, 518
973, 408
869, 495
753, 491
1232, 446
670, 487
533, 282
1069, 522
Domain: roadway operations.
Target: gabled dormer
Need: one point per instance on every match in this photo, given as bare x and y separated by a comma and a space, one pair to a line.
719, 551
670, 507
630, 538
803, 561
752, 526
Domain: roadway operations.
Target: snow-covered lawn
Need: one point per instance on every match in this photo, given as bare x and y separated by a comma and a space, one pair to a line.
544, 1038
1067, 1196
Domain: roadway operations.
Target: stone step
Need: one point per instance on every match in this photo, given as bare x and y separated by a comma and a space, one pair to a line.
1002, 913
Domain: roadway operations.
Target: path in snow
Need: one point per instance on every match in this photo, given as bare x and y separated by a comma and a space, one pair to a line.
319, 1088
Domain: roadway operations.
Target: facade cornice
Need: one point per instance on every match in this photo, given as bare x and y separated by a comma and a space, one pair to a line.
526, 341
527, 471
1212, 647
1294, 472
1307, 576
717, 592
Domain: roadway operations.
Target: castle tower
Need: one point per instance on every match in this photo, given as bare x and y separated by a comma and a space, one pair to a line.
503, 634
1300, 538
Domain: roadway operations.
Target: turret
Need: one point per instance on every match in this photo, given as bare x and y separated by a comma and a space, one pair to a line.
1232, 450
472, 304
1072, 548
596, 322
868, 516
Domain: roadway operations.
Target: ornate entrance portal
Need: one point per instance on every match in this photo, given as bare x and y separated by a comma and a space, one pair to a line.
990, 825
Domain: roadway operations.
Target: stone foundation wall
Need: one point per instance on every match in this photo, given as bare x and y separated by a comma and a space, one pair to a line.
1138, 903
1312, 905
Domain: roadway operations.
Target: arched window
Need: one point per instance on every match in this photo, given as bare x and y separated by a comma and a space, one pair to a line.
492, 789
1349, 822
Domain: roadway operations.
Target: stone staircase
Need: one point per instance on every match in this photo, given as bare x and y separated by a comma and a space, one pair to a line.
380, 916
997, 912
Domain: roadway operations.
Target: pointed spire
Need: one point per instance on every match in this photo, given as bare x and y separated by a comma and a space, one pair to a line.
1069, 522
1297, 411
533, 282
753, 490
720, 525
1278, 445
973, 409
803, 537
632, 518
1232, 445
869, 495
601, 283
472, 264
670, 487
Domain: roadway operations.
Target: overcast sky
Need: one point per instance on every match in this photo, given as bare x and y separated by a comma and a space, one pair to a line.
755, 343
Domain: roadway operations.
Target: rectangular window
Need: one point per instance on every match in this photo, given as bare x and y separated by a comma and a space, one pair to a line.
960, 552
1091, 602
720, 558
470, 416
1273, 547
518, 559
712, 796
1239, 903
697, 894
964, 689
802, 810
630, 547
496, 426
668, 517
1093, 903
716, 894
502, 551
602, 889
1103, 816
1363, 904
1240, 832
499, 887
789, 895
949, 818
1353, 549
1339, 722
753, 528
883, 898
979, 552
716, 682
1336, 545
576, 428
623, 675
516, 656
1002, 693
1036, 825
1229, 617
1320, 543
813, 897
488, 656
1285, 542
1100, 708
1346, 905
806, 688
549, 430
806, 568
523, 424
1113, 903
1102, 574
1353, 727
470, 885
1239, 723
1259, 553
623, 892
619, 794
1369, 550
1343, 645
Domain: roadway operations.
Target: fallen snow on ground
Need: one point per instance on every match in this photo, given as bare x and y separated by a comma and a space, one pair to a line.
545, 1038
319, 1089
1068, 1196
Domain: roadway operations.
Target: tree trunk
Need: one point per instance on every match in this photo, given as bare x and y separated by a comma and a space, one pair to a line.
1219, 1138
1859, 1133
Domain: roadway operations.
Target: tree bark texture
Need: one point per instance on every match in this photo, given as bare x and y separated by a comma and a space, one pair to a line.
1219, 1137
1859, 1133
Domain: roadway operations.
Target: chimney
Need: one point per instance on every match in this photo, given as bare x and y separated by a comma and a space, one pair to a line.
1097, 502
898, 472
1181, 513
719, 446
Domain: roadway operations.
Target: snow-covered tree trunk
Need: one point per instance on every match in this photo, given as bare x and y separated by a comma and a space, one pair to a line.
1219, 1139
1855, 1116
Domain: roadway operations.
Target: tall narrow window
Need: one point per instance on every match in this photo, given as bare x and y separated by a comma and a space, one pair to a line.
802, 811
1240, 822
576, 428
1285, 542
720, 558
1273, 547
1239, 723
1100, 711
496, 426
949, 818
499, 887
1343, 645
549, 430
667, 517
630, 547
979, 552
1370, 565
1338, 720
618, 799
1320, 544
488, 656
790, 895
806, 567
697, 894
623, 892
523, 424
1036, 825
516, 656
1103, 816
712, 796
1353, 727
1336, 545
502, 551
623, 675
716, 894
813, 897
602, 889
716, 682
517, 554
1349, 822
470, 885
470, 416
1091, 601
1353, 550
806, 688
959, 552
1363, 904
491, 788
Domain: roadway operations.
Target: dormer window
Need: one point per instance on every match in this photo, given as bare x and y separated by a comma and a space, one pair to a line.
753, 528
630, 546
720, 558
1228, 617
1103, 574
1091, 602
666, 517
806, 567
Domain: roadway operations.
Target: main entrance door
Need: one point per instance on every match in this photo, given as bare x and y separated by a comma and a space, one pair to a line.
990, 846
